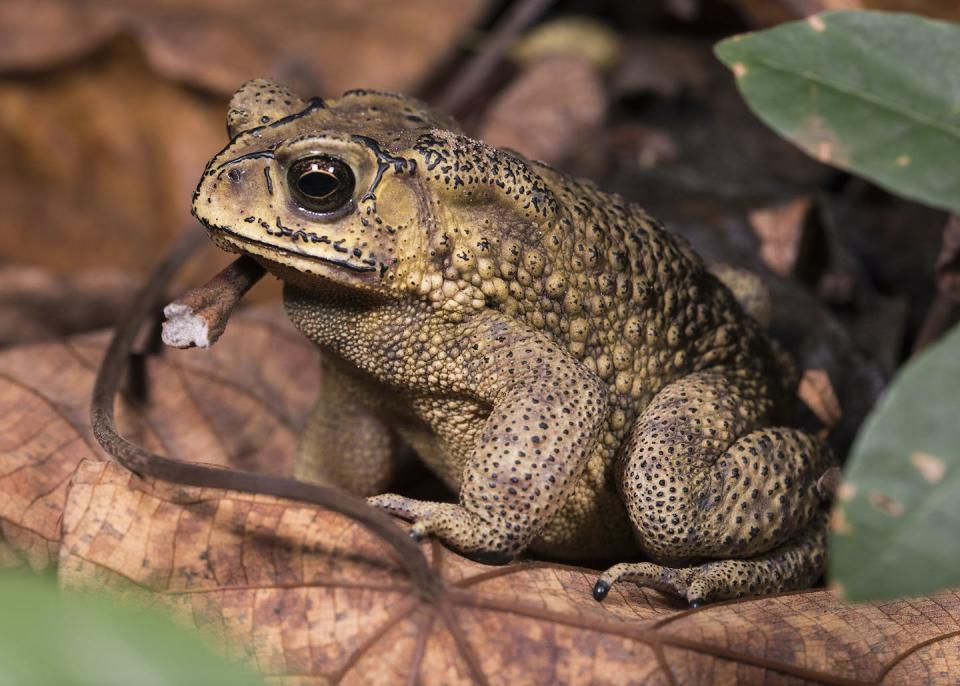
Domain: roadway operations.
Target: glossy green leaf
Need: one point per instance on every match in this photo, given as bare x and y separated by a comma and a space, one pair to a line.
876, 93
49, 637
896, 526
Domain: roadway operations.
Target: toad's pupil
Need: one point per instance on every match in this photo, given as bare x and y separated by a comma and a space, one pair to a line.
318, 183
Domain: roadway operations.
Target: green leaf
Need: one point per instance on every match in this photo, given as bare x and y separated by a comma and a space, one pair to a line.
875, 93
50, 637
896, 526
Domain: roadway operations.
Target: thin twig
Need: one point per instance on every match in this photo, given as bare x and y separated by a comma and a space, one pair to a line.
145, 463
466, 82
199, 317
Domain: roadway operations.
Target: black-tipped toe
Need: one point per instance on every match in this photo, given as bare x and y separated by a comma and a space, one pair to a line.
600, 590
695, 603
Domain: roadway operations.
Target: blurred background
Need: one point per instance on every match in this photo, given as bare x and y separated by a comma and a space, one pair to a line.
109, 110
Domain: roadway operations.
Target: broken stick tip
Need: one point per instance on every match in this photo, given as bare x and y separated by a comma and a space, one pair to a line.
183, 328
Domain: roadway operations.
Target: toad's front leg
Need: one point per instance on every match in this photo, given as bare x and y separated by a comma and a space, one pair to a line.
547, 411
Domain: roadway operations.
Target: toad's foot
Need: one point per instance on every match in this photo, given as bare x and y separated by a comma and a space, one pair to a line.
797, 564
454, 525
692, 583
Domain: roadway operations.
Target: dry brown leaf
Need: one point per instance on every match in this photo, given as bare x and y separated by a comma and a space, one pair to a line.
36, 304
817, 393
308, 594
780, 230
548, 109
770, 12
798, 238
309, 597
101, 161
236, 405
219, 44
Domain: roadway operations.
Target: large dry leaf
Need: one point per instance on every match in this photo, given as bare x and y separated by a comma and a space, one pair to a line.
308, 594
330, 46
242, 404
101, 159
309, 597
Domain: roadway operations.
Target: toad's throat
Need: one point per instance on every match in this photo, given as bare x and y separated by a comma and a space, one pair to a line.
271, 246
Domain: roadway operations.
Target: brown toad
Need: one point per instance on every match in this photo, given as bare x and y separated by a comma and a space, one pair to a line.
572, 370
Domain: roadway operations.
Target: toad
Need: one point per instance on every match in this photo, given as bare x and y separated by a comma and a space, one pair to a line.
573, 371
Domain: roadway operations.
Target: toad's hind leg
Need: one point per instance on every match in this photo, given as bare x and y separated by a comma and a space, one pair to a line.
796, 564
720, 508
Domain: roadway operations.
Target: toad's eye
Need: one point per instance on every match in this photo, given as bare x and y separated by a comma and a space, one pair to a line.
321, 183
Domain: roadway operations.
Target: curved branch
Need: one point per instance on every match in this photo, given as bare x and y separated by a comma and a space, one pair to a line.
146, 463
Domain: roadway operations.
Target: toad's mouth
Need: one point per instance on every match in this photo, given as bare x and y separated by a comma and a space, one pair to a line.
240, 238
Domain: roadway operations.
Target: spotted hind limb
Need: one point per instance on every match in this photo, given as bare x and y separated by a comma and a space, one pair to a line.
795, 565
714, 499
